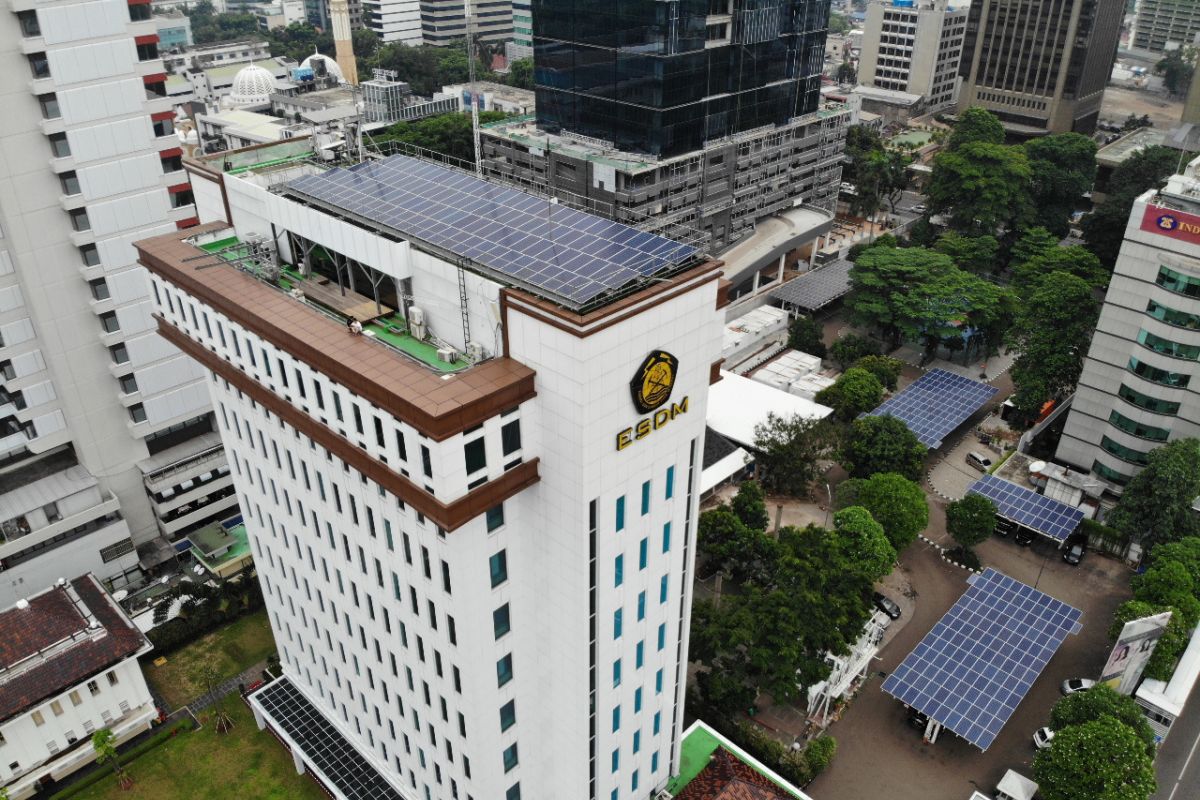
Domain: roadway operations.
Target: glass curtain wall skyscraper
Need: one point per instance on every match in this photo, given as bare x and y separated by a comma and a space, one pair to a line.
664, 78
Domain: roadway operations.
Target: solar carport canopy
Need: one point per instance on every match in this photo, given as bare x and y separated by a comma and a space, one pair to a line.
1024, 506
978, 662
817, 288
935, 404
571, 257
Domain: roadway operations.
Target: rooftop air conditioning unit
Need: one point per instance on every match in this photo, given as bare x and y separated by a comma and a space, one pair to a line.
447, 354
475, 351
416, 322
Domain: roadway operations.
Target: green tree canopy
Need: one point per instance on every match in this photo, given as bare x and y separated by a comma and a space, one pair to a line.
448, 134
1168, 583
1031, 243
1051, 336
1177, 68
1097, 760
882, 178
788, 450
977, 254
1104, 228
850, 348
366, 44
1156, 506
861, 141
1170, 645
882, 444
1063, 166
976, 125
1185, 552
981, 188
727, 544
804, 334
867, 546
885, 368
1074, 260
520, 73
1102, 701
855, 391
971, 520
749, 504
894, 501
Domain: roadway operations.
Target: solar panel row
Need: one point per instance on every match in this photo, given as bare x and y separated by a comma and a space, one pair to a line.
1026, 507
977, 663
817, 288
322, 744
570, 255
936, 403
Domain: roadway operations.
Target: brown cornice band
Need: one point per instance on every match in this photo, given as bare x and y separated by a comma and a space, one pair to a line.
448, 516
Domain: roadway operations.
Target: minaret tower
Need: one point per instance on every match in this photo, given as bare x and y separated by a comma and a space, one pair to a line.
339, 13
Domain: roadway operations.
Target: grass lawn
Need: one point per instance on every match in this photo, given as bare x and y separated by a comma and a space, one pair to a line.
231, 649
245, 763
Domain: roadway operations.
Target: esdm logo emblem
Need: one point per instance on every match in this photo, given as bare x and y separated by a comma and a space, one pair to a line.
651, 389
1167, 222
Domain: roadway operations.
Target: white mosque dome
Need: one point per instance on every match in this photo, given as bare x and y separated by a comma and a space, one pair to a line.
331, 66
252, 86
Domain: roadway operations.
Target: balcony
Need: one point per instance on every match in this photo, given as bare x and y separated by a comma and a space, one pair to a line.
33, 44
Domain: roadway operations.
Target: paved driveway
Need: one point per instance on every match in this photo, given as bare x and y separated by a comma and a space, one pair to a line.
879, 756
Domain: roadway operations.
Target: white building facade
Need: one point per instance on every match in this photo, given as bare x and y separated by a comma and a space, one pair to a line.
914, 46
1140, 380
394, 20
91, 164
482, 581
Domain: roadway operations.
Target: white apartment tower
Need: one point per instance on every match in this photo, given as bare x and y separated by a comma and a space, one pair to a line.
914, 46
474, 521
1137, 389
96, 405
394, 20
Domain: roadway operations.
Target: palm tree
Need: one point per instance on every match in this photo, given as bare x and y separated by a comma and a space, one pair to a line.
105, 745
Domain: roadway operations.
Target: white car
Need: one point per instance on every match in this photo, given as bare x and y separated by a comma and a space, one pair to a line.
1077, 685
919, 208
1042, 738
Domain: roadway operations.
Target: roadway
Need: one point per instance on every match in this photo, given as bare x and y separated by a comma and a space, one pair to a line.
1177, 767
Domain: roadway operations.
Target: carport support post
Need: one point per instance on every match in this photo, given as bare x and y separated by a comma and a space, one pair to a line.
932, 729
298, 762
782, 257
259, 719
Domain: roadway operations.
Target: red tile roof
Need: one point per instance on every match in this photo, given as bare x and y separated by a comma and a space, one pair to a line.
728, 778
51, 618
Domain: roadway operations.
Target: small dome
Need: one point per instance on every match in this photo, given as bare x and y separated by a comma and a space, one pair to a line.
331, 66
252, 86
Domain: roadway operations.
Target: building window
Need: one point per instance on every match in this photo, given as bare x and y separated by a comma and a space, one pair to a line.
99, 289
657, 725
510, 437
670, 489
139, 12
620, 513
637, 743
37, 718
147, 52
426, 462
109, 322
79, 219
59, 145
662, 636
29, 24
90, 255
1124, 453
1138, 429
1170, 316
658, 682
639, 657
69, 182
501, 624
641, 606
49, 106
495, 517
514, 791
1152, 404
1110, 474
1177, 282
39, 66
171, 164
646, 498
510, 757
498, 565
137, 413
616, 763
504, 670
476, 455
643, 552
508, 715
120, 355
617, 624
662, 589
112, 678
1168, 347
666, 547
618, 570
616, 719
1157, 375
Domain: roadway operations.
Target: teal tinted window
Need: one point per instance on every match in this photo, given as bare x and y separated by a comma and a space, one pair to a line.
1147, 402
1158, 375
1167, 347
1137, 428
1177, 282
1172, 317
1122, 452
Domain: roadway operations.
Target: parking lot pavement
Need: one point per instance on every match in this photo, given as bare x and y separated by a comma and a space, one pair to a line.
880, 756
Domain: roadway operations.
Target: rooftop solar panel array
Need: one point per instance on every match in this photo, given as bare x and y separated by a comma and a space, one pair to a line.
321, 744
936, 403
1026, 507
818, 288
977, 663
566, 255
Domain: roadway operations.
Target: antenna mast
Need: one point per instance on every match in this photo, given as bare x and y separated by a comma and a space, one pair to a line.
474, 103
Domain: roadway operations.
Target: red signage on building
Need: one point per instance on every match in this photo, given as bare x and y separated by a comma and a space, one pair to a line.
1169, 222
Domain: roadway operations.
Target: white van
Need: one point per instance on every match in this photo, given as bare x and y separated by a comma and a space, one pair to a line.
979, 461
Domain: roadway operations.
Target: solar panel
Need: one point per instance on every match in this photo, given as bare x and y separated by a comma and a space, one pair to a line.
936, 403
818, 288
977, 663
569, 255
1026, 507
321, 744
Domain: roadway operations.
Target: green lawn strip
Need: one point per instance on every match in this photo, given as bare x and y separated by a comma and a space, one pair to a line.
245, 763
418, 349
230, 649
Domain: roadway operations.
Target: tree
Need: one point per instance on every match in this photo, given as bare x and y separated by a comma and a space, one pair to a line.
882, 444
971, 520
855, 392
449, 134
1102, 701
1171, 643
750, 507
1104, 228
788, 449
894, 501
1156, 506
850, 348
104, 742
1075, 260
1177, 69
366, 44
1051, 336
861, 142
976, 125
1133, 122
847, 72
804, 334
838, 23
882, 176
1168, 583
977, 254
1063, 166
299, 40
1185, 552
520, 73
885, 369
981, 188
1031, 243
866, 544
1097, 760
881, 279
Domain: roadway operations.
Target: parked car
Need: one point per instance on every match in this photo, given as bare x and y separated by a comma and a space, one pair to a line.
917, 720
920, 208
887, 605
979, 461
1075, 685
1074, 549
1042, 738
1024, 537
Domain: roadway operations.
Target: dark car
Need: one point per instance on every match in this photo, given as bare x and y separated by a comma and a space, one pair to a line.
1024, 537
917, 720
1074, 549
887, 605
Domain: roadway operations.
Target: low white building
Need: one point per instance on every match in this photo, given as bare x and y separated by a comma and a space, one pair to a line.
68, 667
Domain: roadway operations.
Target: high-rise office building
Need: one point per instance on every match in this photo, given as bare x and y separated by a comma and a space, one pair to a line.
1040, 67
107, 435
444, 22
914, 47
1136, 390
698, 114
521, 45
474, 522
394, 20
1160, 24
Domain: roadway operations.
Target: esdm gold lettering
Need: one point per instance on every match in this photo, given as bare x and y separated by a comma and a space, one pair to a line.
648, 425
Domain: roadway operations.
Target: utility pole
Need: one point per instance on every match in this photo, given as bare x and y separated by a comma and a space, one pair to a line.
474, 103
